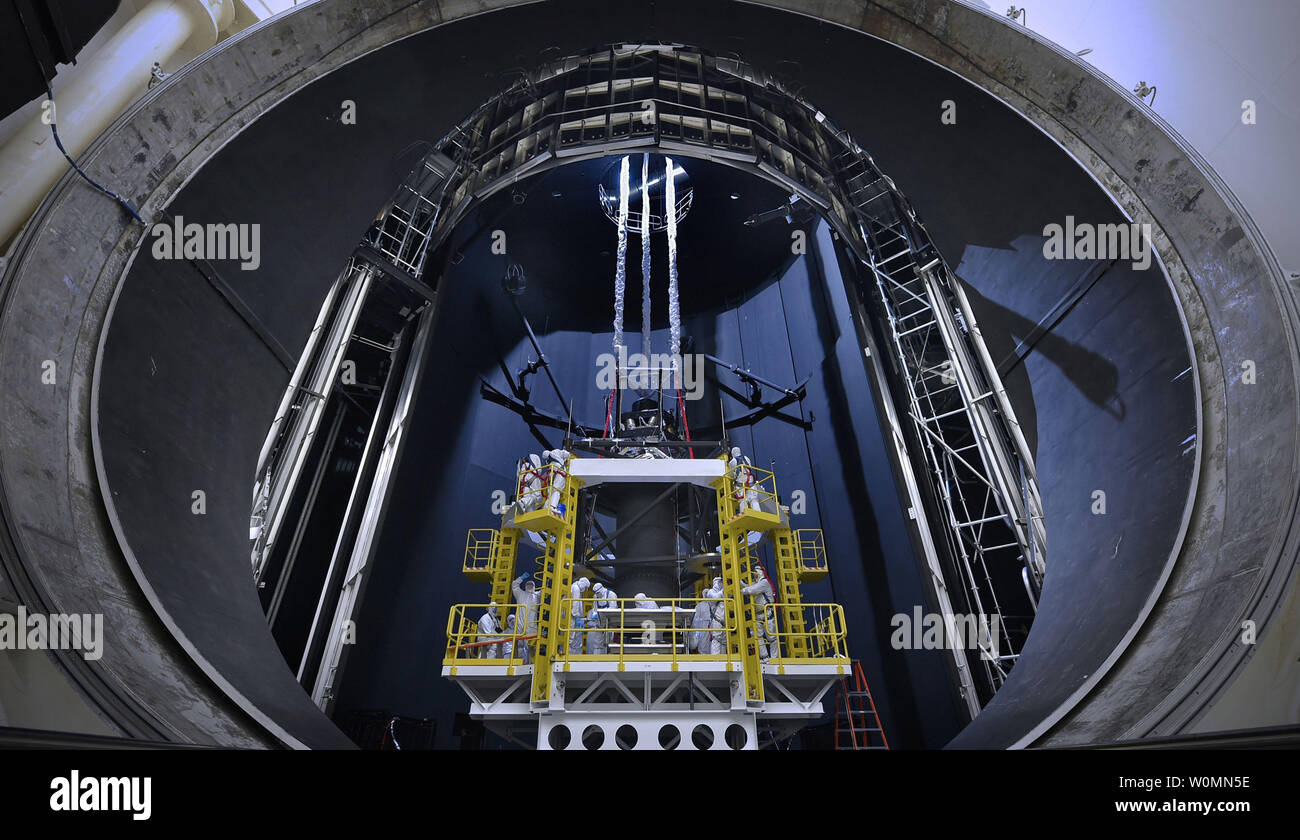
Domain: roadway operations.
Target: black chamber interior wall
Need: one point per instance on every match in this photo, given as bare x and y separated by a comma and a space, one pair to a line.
783, 316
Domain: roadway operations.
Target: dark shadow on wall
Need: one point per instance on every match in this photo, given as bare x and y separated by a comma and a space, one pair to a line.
1096, 376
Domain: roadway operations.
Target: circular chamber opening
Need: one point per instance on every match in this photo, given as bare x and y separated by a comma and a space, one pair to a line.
626, 737
756, 322
559, 737
702, 736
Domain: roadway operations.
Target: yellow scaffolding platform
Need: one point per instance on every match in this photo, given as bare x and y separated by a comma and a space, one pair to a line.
542, 503
809, 555
490, 558
518, 671
754, 504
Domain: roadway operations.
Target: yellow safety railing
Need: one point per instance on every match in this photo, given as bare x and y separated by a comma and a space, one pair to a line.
628, 633
810, 550
468, 644
480, 544
535, 486
754, 490
827, 640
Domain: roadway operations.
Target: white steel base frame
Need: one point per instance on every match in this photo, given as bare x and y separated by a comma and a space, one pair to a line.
648, 705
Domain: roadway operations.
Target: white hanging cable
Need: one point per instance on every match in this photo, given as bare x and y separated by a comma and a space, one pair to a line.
620, 270
645, 255
674, 313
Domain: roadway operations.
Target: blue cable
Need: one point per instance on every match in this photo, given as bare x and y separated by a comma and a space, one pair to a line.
54, 129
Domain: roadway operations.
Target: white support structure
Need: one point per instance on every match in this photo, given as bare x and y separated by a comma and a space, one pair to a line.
664, 703
361, 556
700, 471
289, 441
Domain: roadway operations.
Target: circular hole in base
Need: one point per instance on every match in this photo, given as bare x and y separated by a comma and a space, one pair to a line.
559, 737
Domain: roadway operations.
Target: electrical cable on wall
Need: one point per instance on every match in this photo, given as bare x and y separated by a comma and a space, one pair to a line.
105, 190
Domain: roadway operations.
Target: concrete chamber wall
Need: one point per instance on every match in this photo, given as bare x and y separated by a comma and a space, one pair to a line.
1137, 627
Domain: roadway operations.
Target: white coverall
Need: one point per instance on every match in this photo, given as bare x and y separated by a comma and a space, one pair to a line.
717, 635
529, 600
489, 630
742, 479
597, 643
576, 591
530, 494
558, 460
605, 599
761, 591
508, 646
699, 641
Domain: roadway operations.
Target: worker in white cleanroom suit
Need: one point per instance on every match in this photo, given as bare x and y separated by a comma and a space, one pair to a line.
597, 642
717, 621
530, 490
527, 597
763, 594
742, 478
606, 599
697, 640
489, 630
508, 646
520, 645
644, 603
558, 460
576, 592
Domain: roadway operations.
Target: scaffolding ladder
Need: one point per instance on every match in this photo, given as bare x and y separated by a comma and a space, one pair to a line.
981, 470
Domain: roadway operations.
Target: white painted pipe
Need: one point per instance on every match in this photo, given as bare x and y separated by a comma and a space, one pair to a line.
91, 94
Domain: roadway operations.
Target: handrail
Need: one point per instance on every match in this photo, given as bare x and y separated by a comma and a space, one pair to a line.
467, 645
480, 546
828, 639
810, 549
754, 489
535, 485
664, 631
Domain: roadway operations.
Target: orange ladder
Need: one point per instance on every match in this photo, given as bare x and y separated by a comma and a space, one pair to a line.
855, 715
